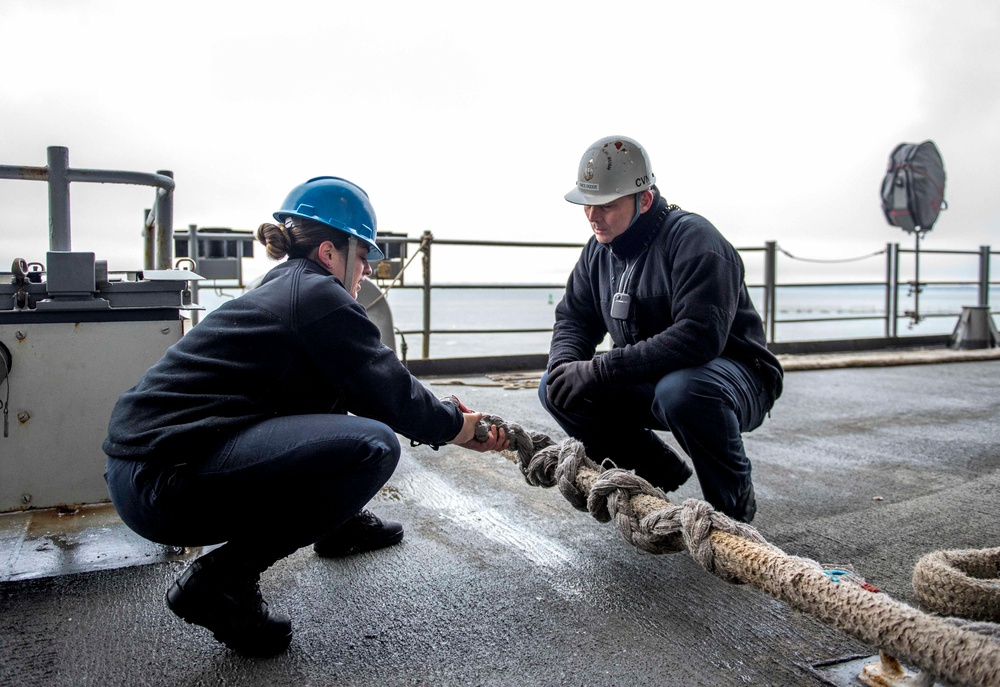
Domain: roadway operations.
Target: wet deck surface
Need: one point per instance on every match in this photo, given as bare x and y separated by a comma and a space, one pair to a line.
501, 583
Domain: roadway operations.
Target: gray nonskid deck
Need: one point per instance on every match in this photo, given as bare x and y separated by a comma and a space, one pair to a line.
501, 583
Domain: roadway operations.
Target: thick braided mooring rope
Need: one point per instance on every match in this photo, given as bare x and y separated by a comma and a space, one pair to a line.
960, 583
950, 649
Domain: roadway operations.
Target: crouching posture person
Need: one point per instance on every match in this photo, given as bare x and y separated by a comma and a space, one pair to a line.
271, 424
689, 352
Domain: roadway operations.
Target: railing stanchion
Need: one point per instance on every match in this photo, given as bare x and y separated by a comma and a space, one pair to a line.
984, 275
165, 225
59, 228
770, 287
895, 290
889, 256
425, 247
194, 254
148, 240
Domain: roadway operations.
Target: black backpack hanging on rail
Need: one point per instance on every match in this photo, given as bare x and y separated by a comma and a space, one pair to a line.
913, 186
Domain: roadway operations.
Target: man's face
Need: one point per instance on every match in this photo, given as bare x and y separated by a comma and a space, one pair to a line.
609, 221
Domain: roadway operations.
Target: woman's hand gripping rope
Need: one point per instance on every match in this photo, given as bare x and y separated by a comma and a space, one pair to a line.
477, 435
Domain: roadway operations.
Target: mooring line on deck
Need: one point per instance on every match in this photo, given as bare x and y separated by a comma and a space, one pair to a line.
955, 650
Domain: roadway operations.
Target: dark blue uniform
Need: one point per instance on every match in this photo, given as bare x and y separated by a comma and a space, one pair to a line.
689, 351
271, 421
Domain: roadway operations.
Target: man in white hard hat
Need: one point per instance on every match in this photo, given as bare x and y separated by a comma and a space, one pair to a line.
689, 353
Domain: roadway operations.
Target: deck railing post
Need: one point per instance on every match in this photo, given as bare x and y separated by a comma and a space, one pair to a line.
916, 281
770, 287
895, 290
984, 275
165, 225
425, 247
889, 287
59, 227
148, 240
194, 254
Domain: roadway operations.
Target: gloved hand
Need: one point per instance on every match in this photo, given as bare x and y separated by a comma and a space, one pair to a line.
570, 383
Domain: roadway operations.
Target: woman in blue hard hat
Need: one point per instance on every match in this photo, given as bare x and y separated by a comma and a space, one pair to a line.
271, 424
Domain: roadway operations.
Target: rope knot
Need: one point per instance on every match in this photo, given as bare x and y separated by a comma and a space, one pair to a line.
573, 457
614, 495
689, 526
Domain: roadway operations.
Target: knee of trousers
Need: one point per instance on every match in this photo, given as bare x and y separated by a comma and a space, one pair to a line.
543, 391
684, 396
387, 444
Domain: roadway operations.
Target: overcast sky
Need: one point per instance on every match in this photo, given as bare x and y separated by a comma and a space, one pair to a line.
773, 119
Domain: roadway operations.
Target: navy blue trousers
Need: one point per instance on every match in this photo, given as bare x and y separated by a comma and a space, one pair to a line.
269, 490
707, 409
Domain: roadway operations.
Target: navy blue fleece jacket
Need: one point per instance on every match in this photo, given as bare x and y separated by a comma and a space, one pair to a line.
689, 303
298, 344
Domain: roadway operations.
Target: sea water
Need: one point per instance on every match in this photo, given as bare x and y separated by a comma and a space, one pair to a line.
829, 312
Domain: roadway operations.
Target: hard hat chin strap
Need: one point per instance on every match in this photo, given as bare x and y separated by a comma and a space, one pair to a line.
351, 264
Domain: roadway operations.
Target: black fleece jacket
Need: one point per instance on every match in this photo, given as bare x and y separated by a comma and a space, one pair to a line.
689, 303
296, 345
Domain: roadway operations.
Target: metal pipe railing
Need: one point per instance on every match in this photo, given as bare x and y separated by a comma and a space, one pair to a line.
771, 287
158, 250
59, 174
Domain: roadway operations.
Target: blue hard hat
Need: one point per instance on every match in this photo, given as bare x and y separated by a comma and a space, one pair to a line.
337, 203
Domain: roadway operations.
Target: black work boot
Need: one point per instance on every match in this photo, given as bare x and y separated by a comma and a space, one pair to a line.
746, 506
229, 604
363, 531
667, 471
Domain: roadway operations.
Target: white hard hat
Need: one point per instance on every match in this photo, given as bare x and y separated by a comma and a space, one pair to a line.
612, 167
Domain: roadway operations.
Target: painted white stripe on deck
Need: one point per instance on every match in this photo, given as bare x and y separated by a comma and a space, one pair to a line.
434, 492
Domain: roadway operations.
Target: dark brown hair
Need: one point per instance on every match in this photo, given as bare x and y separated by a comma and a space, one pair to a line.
297, 238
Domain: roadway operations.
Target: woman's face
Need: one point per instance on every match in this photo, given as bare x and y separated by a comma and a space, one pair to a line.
360, 269
334, 261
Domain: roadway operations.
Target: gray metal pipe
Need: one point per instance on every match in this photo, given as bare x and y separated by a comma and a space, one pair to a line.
984, 275
890, 287
163, 180
425, 247
165, 224
59, 229
148, 240
22, 172
895, 290
194, 254
99, 176
770, 289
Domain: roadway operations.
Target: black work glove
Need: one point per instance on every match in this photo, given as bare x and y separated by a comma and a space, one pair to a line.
570, 383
